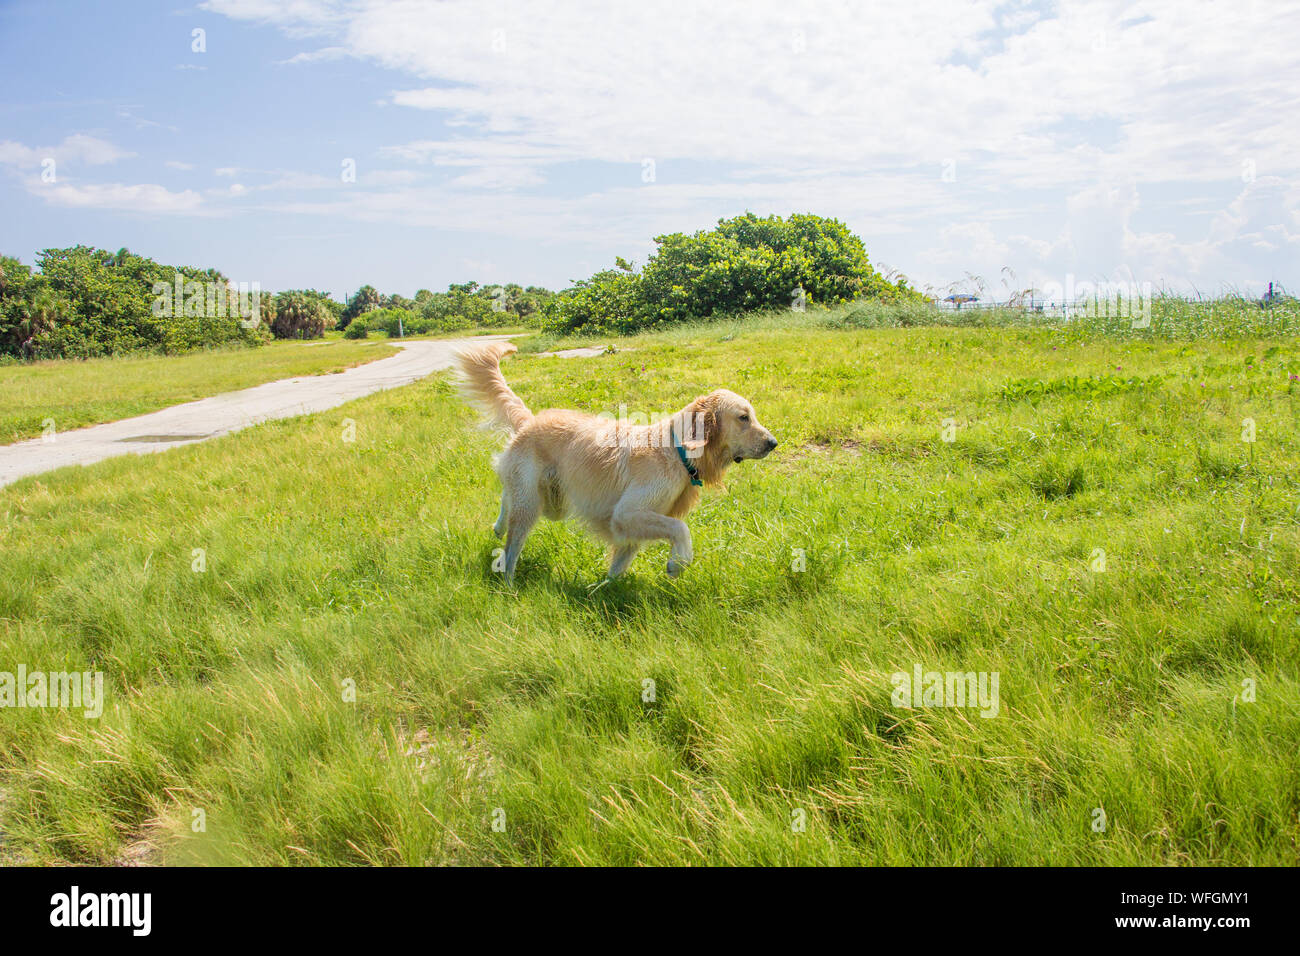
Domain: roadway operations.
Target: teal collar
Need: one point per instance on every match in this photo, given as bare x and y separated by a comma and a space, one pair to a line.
681, 453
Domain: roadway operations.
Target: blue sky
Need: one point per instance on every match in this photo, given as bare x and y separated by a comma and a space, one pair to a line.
532, 142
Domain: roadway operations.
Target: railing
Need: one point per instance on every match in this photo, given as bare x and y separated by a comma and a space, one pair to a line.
1045, 307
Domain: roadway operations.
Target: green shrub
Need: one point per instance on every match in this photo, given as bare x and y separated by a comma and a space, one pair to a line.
299, 315
86, 302
394, 322
746, 263
1171, 317
607, 303
366, 300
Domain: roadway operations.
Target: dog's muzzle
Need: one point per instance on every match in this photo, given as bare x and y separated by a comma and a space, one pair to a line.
767, 450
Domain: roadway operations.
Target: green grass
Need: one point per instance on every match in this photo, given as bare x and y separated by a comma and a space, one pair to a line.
76, 393
1170, 318
367, 564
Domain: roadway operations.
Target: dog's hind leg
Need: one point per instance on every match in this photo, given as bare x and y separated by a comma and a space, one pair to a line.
524, 511
499, 528
620, 557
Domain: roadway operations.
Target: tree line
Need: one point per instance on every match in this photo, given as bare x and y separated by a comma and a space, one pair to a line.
83, 302
462, 306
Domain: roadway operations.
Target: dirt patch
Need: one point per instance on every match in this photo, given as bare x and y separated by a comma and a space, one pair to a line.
853, 448
814, 449
587, 352
428, 751
141, 852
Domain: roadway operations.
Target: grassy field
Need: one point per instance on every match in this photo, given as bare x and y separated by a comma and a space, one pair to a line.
345, 680
78, 393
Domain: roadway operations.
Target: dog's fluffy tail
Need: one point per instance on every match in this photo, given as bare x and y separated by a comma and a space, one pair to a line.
481, 382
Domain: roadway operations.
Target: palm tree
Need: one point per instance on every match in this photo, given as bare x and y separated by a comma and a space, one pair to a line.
298, 316
35, 318
367, 298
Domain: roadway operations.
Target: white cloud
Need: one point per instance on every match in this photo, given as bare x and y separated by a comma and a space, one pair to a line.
1062, 120
477, 151
390, 177
316, 56
499, 177
780, 82
141, 122
303, 17
292, 180
78, 148
82, 150
146, 198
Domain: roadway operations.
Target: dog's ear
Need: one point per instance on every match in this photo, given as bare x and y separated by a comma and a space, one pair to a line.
701, 422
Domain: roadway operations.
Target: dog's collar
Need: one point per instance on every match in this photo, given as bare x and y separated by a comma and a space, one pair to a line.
681, 453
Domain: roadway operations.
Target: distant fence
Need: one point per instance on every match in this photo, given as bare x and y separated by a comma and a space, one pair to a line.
1060, 310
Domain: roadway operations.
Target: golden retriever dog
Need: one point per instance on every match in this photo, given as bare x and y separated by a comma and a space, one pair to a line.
629, 483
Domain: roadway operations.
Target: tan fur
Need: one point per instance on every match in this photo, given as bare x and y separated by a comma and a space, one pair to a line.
626, 482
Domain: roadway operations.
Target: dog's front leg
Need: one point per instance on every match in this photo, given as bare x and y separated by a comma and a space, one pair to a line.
636, 522
620, 557
679, 558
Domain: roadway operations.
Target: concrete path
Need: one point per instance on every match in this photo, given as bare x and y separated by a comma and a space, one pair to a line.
223, 414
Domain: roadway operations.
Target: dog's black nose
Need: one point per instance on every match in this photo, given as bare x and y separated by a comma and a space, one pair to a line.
771, 443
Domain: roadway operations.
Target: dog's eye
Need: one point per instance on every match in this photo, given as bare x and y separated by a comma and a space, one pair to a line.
744, 418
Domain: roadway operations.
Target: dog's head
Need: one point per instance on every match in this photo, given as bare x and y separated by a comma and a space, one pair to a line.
725, 426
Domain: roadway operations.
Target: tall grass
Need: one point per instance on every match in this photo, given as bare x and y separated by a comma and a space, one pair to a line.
1163, 316
348, 682
1171, 317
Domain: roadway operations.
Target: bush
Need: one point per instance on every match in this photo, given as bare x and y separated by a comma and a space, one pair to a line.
746, 263
463, 306
333, 310
607, 303
356, 330
394, 322
366, 300
86, 302
299, 315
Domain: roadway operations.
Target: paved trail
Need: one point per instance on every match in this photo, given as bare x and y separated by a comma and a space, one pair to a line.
223, 414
